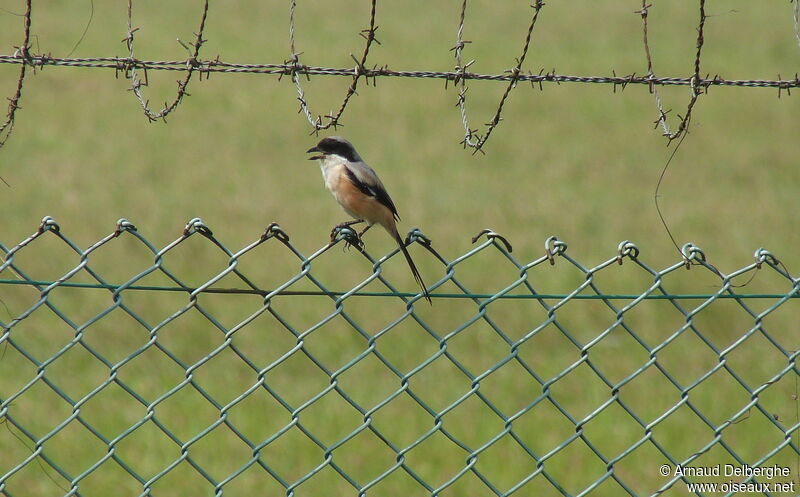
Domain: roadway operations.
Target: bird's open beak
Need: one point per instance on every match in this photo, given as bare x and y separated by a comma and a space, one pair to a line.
314, 157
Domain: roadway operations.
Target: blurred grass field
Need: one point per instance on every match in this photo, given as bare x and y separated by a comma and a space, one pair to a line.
577, 161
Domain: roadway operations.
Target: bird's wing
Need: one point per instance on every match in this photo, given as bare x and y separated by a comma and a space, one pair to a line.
365, 179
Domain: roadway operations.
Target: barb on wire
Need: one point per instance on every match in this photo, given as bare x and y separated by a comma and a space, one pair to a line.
697, 84
295, 68
217, 65
469, 134
295, 61
191, 64
471, 139
25, 59
662, 116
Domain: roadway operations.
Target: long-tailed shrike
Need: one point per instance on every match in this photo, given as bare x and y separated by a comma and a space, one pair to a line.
360, 192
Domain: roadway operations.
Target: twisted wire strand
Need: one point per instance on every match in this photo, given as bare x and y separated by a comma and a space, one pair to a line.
131, 70
13, 103
132, 67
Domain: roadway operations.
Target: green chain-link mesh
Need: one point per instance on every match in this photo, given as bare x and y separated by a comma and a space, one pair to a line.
205, 371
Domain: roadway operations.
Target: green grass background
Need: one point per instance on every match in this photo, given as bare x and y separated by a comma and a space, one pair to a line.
577, 161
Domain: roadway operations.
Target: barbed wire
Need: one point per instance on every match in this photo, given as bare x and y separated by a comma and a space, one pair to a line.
13, 102
130, 67
220, 66
191, 65
471, 139
333, 119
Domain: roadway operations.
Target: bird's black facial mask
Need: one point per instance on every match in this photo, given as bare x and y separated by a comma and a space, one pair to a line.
336, 146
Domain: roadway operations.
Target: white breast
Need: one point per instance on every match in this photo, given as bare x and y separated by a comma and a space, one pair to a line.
331, 173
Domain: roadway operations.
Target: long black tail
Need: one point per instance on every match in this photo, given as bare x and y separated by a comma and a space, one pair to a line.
413, 267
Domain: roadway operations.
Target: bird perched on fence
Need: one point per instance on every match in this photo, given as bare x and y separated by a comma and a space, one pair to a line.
360, 192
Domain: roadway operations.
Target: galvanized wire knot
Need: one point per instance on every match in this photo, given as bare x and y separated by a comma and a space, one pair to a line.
123, 225
415, 235
491, 235
274, 230
197, 225
692, 252
553, 247
48, 224
627, 249
763, 255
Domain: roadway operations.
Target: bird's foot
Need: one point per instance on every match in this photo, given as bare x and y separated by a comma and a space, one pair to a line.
339, 227
356, 242
348, 234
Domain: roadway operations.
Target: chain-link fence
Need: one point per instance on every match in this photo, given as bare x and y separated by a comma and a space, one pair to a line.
194, 369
